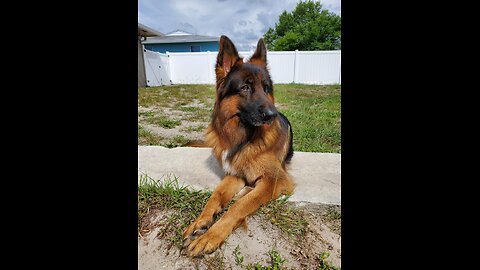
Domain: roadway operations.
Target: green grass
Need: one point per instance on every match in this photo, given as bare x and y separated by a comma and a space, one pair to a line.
176, 141
180, 97
163, 121
168, 194
287, 218
146, 137
197, 113
189, 109
315, 114
323, 264
333, 214
146, 114
276, 261
238, 256
216, 262
197, 128
313, 110
201, 115
176, 95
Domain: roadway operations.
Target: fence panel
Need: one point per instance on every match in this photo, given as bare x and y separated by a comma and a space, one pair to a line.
308, 67
281, 66
191, 68
157, 68
322, 67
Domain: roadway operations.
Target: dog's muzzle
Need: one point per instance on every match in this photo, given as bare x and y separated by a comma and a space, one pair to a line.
268, 116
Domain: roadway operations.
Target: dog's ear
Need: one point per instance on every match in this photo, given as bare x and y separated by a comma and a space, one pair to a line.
226, 58
260, 55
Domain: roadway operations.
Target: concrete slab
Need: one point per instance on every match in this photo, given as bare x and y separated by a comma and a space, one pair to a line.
317, 175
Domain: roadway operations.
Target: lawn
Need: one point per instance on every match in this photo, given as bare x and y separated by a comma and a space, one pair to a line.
173, 115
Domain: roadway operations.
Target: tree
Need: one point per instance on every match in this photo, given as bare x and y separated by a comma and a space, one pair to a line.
308, 27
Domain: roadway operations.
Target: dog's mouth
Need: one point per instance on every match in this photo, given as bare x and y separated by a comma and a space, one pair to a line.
257, 122
261, 123
268, 122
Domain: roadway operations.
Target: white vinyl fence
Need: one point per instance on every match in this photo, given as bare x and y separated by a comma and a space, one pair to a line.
308, 67
157, 68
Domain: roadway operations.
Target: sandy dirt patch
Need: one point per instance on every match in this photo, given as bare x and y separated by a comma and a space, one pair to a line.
323, 235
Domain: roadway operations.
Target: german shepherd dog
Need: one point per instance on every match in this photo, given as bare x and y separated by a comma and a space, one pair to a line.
251, 140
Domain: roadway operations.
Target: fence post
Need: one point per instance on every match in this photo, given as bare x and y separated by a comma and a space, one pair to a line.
295, 67
209, 68
340, 69
170, 67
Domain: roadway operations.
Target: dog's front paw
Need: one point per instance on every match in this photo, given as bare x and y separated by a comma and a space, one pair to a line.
197, 228
205, 244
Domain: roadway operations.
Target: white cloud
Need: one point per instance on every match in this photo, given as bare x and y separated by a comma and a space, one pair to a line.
244, 22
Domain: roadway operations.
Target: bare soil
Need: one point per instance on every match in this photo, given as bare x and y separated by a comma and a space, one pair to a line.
323, 235
168, 134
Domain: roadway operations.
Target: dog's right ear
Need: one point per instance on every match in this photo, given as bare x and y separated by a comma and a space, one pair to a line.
260, 55
227, 57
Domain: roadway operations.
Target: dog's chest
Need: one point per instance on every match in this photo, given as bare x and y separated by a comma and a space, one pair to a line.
240, 167
226, 164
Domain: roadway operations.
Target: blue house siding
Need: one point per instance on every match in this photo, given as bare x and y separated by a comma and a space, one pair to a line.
182, 47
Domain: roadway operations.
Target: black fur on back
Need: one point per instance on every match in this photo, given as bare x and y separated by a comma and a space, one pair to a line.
286, 123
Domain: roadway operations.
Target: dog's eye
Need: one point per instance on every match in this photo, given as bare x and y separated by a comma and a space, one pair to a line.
266, 88
245, 88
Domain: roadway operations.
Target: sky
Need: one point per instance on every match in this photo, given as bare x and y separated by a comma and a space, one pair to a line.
243, 21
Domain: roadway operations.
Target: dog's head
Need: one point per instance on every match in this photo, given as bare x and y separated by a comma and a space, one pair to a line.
244, 89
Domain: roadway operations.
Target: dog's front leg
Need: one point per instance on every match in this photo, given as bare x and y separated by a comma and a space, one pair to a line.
236, 214
223, 193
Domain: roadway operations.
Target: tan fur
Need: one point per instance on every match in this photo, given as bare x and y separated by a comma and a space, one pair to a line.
260, 165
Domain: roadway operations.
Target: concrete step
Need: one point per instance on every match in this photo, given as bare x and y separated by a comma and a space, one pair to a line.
317, 175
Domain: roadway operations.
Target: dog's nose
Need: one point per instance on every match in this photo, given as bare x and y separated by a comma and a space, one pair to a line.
268, 115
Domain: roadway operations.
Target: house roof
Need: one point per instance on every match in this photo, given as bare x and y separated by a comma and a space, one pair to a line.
178, 32
184, 38
146, 31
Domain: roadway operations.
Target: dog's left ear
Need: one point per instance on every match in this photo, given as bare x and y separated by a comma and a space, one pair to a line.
227, 57
260, 55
